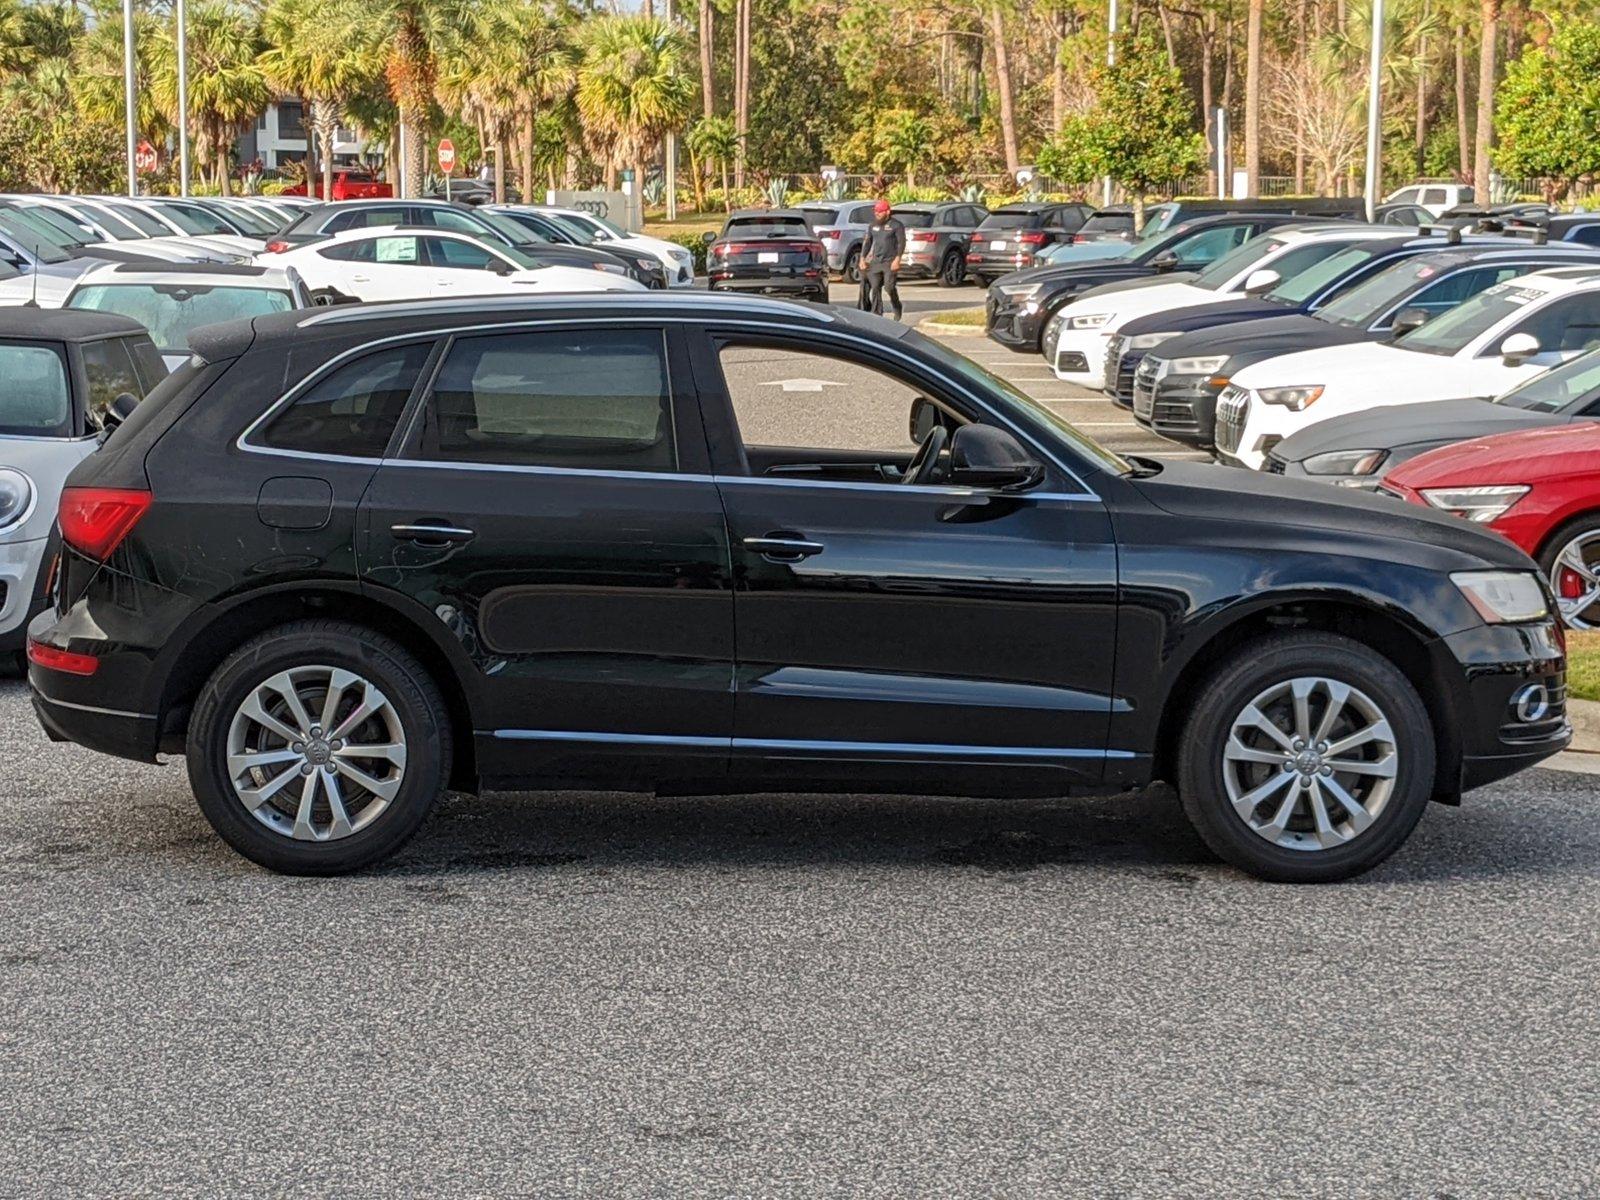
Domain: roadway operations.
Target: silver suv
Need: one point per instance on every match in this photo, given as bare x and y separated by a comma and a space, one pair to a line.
840, 225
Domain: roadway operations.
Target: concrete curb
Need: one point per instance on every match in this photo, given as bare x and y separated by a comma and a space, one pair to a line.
940, 329
1585, 718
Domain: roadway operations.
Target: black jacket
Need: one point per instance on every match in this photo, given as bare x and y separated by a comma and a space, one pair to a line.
883, 243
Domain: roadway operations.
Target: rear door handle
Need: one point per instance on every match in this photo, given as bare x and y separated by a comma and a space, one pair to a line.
783, 547
432, 533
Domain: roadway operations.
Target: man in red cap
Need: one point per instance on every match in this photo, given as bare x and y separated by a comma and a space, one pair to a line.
882, 247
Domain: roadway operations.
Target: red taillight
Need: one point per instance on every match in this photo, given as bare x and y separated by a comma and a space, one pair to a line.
95, 520
52, 659
277, 246
827, 233
920, 235
1033, 237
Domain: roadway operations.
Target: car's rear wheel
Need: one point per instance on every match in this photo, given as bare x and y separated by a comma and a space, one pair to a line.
852, 266
318, 747
1309, 759
953, 270
1571, 561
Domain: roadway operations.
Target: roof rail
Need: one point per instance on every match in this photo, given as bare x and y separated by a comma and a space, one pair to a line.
1538, 232
1452, 230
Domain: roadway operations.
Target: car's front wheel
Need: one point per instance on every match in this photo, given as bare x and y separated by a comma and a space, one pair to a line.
318, 747
1571, 560
1309, 758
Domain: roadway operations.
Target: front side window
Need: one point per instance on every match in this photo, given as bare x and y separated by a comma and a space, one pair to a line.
554, 398
448, 252
1559, 389
353, 410
1452, 331
36, 400
1586, 235
1571, 323
1208, 245
111, 373
1238, 259
366, 218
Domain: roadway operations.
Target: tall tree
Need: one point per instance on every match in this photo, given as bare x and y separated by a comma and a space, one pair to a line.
1489, 35
311, 54
708, 73
1002, 82
633, 84
1254, 66
227, 87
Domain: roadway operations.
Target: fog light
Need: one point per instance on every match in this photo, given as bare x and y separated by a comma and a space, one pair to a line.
1531, 703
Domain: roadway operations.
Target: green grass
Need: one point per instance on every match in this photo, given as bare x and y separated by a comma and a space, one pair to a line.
960, 316
699, 223
1583, 665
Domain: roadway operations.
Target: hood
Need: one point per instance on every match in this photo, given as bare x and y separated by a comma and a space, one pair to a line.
1525, 456
1353, 522
1127, 303
1204, 316
1077, 276
1166, 279
1410, 374
1432, 421
1246, 342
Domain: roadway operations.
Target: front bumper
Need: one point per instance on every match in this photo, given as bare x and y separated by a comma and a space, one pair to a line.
22, 579
1495, 666
1081, 358
812, 284
1013, 326
1181, 408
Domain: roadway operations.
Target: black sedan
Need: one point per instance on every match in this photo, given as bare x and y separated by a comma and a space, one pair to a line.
937, 236
1177, 383
1358, 449
768, 250
1019, 305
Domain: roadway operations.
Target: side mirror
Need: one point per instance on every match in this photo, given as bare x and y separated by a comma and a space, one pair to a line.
925, 415
982, 456
1165, 261
1518, 348
1261, 281
500, 267
1407, 319
710, 236
119, 410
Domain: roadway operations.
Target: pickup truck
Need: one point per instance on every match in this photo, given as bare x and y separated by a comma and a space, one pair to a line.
347, 185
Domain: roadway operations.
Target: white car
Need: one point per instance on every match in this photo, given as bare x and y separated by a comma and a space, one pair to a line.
170, 301
1090, 323
1483, 346
678, 260
97, 222
177, 220
401, 262
1437, 198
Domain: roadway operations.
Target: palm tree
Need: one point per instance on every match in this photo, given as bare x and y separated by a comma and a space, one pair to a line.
16, 49
634, 84
311, 54
98, 89
1252, 96
227, 87
1489, 33
714, 139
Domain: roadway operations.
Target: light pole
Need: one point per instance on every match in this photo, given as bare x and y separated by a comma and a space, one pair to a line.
1111, 61
128, 99
670, 154
1375, 112
183, 102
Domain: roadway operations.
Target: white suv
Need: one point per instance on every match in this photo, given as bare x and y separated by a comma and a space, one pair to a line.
1483, 346
1089, 324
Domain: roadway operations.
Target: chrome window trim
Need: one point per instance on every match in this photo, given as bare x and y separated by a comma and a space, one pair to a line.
243, 444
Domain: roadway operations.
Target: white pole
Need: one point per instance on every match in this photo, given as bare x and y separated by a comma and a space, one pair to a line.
183, 102
1111, 61
128, 99
1375, 112
400, 191
1222, 153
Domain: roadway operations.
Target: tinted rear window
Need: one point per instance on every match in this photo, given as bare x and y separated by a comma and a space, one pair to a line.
767, 227
914, 220
1109, 223
353, 410
1010, 220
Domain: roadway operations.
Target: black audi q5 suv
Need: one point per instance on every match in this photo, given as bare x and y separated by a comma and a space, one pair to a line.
347, 558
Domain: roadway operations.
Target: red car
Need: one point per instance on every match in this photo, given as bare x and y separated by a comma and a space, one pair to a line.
1538, 487
347, 185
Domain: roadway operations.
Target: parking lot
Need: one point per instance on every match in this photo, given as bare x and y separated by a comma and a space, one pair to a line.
614, 995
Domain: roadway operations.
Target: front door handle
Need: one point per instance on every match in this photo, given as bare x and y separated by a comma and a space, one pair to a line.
783, 547
432, 533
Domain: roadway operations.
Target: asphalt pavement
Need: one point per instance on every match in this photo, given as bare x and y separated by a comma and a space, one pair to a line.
773, 996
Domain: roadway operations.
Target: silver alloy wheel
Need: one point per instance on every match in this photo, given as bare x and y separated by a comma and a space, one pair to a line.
1576, 570
316, 753
1310, 763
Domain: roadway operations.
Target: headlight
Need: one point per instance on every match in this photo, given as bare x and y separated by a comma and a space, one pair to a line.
1018, 290
1293, 398
1479, 504
1502, 597
1148, 341
1199, 366
1345, 462
16, 496
611, 267
682, 256
1088, 320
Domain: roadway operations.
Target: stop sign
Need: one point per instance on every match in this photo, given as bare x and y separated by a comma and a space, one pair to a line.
144, 158
447, 155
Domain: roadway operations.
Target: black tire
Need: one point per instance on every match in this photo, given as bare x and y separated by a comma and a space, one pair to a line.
416, 701
852, 265
953, 270
1588, 523
1252, 669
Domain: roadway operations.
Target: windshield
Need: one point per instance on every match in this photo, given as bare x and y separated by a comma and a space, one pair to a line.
1109, 222
583, 219
1303, 285
40, 243
508, 229
114, 225
1038, 414
170, 310
36, 401
1558, 389
1009, 220
1238, 259
69, 230
1367, 301
252, 223
140, 219
1158, 220
580, 230
1450, 331
185, 219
